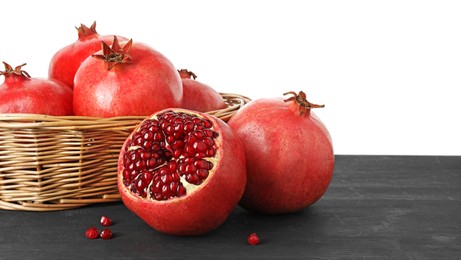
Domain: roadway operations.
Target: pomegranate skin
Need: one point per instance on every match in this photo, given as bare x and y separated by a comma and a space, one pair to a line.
199, 96
21, 94
289, 156
149, 84
207, 207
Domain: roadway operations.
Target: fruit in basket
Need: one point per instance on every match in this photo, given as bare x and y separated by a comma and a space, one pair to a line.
65, 62
182, 171
125, 79
289, 154
20, 93
197, 95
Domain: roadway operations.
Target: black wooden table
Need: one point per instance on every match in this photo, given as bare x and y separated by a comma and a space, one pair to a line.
377, 207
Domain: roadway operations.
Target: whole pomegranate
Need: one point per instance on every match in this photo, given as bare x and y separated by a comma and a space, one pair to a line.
20, 93
134, 80
289, 154
182, 172
199, 96
65, 62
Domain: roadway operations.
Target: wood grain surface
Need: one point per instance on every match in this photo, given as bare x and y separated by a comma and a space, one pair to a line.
377, 207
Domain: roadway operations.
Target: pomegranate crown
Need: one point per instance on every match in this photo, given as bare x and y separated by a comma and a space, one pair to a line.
301, 102
186, 74
116, 54
84, 31
16, 71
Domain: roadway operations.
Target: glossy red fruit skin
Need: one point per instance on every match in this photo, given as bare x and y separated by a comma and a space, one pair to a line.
66, 61
289, 156
21, 94
149, 84
199, 96
209, 205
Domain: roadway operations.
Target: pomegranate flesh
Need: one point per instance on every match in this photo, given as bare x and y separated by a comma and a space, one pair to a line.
199, 96
289, 154
182, 172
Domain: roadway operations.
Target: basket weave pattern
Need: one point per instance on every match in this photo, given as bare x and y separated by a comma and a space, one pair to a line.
55, 163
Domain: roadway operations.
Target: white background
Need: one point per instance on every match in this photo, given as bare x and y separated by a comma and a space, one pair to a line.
389, 72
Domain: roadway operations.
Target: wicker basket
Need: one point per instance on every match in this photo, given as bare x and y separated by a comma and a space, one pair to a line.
54, 163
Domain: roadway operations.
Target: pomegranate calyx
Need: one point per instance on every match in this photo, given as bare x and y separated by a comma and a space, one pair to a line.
16, 71
186, 74
300, 101
116, 54
85, 32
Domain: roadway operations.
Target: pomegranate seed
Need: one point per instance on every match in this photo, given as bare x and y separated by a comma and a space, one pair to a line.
207, 123
106, 234
208, 141
190, 168
189, 126
148, 136
198, 134
200, 146
91, 233
106, 221
253, 239
203, 174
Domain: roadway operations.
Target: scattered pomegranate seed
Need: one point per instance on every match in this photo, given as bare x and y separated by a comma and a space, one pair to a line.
253, 239
106, 234
106, 221
91, 233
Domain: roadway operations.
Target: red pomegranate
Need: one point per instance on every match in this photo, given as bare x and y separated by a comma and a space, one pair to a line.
199, 96
131, 80
289, 154
20, 93
182, 172
65, 62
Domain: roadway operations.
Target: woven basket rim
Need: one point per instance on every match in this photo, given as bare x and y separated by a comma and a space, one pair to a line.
21, 120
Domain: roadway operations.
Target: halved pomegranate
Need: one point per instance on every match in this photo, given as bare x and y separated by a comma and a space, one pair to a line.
182, 172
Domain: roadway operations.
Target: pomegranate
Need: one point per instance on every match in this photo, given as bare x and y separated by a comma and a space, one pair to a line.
20, 93
130, 80
289, 154
199, 96
182, 172
65, 62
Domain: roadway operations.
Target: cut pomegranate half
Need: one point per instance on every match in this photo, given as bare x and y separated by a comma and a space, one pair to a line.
175, 167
